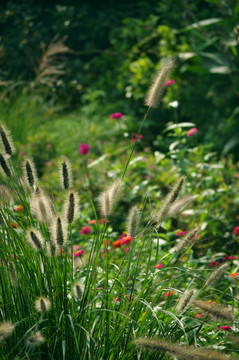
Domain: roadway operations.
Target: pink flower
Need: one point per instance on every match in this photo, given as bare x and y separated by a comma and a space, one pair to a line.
159, 266
170, 293
236, 230
84, 149
134, 137
116, 115
192, 131
116, 299
127, 249
78, 253
236, 176
225, 328
125, 239
85, 230
180, 233
169, 82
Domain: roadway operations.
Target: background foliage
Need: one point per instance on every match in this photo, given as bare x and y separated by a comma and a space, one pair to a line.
115, 49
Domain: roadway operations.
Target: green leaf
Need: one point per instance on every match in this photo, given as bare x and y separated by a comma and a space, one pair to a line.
180, 125
203, 23
234, 141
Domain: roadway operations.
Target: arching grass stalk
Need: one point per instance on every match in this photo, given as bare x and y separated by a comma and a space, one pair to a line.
135, 143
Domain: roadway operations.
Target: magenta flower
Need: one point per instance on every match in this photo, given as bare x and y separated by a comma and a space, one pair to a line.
192, 132
225, 328
134, 137
116, 115
170, 293
78, 253
169, 82
180, 233
84, 149
159, 266
85, 230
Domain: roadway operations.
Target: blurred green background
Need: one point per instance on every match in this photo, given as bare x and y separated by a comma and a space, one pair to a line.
75, 62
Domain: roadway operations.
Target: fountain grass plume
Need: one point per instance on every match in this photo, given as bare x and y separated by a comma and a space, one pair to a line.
110, 197
66, 175
29, 171
6, 140
6, 329
187, 241
181, 352
171, 198
42, 207
155, 91
42, 304
216, 311
78, 291
58, 231
185, 301
216, 275
180, 205
35, 339
35, 239
71, 207
133, 220
5, 169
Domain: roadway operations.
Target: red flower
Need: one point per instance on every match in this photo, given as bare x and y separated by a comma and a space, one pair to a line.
14, 225
90, 222
117, 244
159, 266
236, 230
225, 328
18, 208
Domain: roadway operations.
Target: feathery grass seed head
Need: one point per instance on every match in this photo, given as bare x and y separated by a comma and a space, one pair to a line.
4, 166
133, 220
29, 172
216, 275
187, 241
155, 91
180, 205
42, 304
35, 239
184, 301
58, 230
181, 352
35, 340
65, 175
215, 311
170, 200
42, 207
71, 207
110, 197
6, 329
78, 290
6, 140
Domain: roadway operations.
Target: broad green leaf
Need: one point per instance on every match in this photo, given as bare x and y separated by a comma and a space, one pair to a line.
180, 125
97, 161
203, 23
234, 141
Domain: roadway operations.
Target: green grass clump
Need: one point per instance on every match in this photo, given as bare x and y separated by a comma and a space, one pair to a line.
61, 302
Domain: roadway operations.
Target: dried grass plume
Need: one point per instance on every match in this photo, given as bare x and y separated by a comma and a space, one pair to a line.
155, 91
